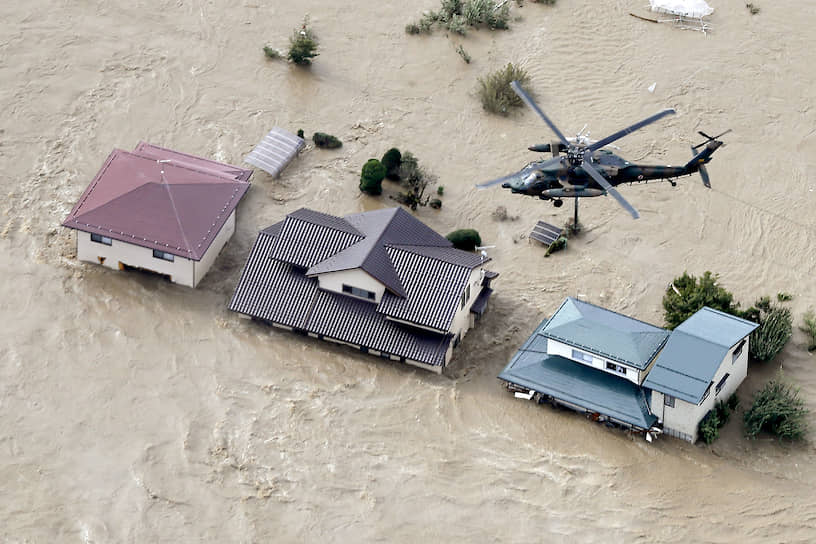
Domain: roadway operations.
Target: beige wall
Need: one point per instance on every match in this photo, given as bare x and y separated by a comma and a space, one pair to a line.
203, 266
356, 277
182, 271
685, 417
558, 348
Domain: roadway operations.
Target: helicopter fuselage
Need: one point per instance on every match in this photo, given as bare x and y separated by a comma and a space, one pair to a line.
568, 179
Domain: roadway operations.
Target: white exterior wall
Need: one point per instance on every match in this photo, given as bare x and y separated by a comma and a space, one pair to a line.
564, 350
180, 270
201, 267
685, 417
356, 277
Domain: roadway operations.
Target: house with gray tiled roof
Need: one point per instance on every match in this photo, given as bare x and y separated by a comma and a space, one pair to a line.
381, 281
631, 373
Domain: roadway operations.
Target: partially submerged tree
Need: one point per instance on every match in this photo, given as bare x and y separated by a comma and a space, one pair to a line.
686, 294
495, 92
774, 331
371, 177
777, 409
465, 239
415, 181
326, 141
809, 328
391, 160
457, 15
303, 44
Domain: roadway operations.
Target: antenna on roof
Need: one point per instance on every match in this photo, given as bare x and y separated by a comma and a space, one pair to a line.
482, 251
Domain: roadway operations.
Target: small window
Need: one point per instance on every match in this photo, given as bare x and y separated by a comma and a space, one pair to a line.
357, 292
581, 356
617, 368
465, 296
99, 239
721, 384
163, 256
737, 351
668, 400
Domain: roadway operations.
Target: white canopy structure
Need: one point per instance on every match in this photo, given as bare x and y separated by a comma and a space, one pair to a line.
685, 8
275, 151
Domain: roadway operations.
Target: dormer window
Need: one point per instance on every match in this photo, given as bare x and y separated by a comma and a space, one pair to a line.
357, 292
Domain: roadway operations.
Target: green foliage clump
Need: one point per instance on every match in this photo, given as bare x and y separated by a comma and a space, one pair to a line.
371, 177
440, 190
733, 401
457, 15
774, 331
391, 160
464, 54
809, 328
415, 180
784, 297
495, 92
326, 141
465, 239
303, 45
300, 133
779, 410
558, 245
435, 203
686, 295
271, 52
709, 428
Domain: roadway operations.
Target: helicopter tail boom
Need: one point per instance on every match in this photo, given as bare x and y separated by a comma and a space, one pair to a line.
703, 156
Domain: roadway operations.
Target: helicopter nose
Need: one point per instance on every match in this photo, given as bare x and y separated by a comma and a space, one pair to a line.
505, 185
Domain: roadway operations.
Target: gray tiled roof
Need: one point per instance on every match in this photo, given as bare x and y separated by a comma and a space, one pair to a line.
304, 242
690, 359
605, 333
577, 384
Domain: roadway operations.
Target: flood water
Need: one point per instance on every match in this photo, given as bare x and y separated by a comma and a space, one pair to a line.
135, 410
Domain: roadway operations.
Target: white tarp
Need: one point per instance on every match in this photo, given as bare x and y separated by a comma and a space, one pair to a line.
687, 8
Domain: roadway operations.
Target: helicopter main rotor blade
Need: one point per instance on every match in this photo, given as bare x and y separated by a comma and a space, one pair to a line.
496, 181
533, 106
594, 174
630, 129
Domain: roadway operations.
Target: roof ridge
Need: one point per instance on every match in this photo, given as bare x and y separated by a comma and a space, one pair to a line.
401, 247
616, 313
355, 232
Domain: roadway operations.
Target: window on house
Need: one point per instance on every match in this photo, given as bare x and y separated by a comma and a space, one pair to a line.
465, 296
99, 239
581, 356
164, 256
721, 384
617, 368
357, 292
707, 391
737, 351
668, 400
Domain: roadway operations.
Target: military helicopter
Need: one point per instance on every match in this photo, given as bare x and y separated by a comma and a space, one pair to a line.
587, 169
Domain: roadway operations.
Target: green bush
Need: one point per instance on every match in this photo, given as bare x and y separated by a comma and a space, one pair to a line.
391, 160
733, 401
300, 133
440, 190
809, 328
457, 15
326, 141
495, 92
774, 331
371, 177
709, 428
435, 203
271, 52
465, 239
686, 295
303, 45
777, 409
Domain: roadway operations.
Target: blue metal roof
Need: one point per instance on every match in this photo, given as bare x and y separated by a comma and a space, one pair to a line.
577, 384
686, 366
605, 333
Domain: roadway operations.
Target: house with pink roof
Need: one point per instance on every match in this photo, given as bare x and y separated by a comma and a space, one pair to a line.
158, 210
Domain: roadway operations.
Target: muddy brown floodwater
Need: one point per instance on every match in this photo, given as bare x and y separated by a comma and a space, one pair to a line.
133, 410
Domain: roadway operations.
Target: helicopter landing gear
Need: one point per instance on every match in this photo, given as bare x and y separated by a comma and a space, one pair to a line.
558, 203
673, 183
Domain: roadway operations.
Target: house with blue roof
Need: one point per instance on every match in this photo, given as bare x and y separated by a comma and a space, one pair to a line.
629, 372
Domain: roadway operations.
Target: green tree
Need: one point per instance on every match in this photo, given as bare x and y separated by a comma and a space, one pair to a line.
774, 331
326, 141
303, 44
391, 160
495, 92
777, 409
465, 239
371, 177
687, 294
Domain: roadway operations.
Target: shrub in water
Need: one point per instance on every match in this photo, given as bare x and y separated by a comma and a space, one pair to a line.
435, 203
440, 190
303, 45
326, 141
391, 160
809, 328
300, 133
495, 92
271, 52
465, 239
774, 331
709, 427
686, 295
371, 177
779, 410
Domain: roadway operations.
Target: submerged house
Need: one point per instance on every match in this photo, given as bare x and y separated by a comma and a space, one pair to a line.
158, 210
380, 281
631, 373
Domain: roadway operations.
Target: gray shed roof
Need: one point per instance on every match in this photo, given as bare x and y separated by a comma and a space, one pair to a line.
691, 357
605, 333
592, 389
275, 151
